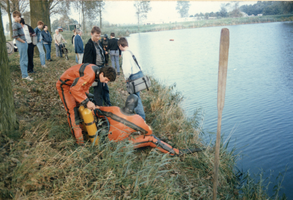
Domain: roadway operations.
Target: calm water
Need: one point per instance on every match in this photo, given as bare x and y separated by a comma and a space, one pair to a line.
258, 112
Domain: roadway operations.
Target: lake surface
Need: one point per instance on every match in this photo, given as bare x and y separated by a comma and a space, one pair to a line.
258, 112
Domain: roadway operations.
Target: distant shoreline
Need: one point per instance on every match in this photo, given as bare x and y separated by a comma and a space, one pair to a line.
122, 31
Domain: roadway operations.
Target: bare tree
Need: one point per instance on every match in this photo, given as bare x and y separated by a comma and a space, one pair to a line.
235, 9
19, 5
80, 6
11, 5
44, 9
142, 8
223, 10
99, 8
183, 8
8, 120
89, 10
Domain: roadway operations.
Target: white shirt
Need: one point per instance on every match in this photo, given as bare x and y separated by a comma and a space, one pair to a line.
27, 34
129, 65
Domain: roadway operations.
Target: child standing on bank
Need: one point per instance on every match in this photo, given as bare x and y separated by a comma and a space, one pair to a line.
21, 44
131, 71
40, 43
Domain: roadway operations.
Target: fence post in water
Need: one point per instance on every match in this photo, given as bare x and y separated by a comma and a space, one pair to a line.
222, 77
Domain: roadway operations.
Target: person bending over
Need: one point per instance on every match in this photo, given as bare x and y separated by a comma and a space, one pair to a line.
72, 87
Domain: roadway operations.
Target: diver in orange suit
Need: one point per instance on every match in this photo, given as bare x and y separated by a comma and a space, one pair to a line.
72, 87
124, 124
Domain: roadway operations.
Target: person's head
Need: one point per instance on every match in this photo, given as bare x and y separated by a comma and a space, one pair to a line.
56, 31
74, 31
112, 35
22, 21
80, 32
107, 74
45, 27
122, 43
17, 16
40, 24
95, 34
77, 31
105, 37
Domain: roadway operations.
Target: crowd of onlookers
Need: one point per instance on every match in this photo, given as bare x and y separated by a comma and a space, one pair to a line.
27, 38
92, 71
92, 62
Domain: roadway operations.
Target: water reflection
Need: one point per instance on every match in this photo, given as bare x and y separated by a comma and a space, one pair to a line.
259, 90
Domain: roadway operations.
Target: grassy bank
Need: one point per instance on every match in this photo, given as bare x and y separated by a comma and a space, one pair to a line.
44, 163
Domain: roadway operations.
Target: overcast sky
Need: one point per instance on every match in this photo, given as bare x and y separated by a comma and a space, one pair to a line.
124, 12
119, 12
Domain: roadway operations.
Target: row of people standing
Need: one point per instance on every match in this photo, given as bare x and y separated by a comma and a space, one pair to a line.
111, 45
24, 36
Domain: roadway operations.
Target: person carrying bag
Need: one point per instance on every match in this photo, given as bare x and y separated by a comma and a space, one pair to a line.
135, 79
138, 84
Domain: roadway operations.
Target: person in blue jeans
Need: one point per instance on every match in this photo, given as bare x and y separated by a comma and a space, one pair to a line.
131, 71
114, 52
47, 40
21, 44
40, 42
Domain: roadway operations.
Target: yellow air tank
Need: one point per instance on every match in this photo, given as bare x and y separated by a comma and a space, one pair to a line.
89, 123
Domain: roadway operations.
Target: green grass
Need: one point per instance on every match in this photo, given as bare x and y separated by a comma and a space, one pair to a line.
45, 163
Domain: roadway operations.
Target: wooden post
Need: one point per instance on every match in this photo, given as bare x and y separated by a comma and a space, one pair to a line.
222, 77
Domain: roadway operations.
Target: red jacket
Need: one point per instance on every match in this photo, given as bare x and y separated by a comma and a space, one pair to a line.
80, 78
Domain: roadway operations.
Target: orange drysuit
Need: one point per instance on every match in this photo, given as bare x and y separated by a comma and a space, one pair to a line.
133, 127
72, 86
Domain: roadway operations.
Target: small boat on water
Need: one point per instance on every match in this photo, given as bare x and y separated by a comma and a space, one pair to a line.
171, 39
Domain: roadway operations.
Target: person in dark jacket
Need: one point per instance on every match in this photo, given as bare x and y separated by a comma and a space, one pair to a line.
115, 52
47, 40
72, 41
29, 34
104, 43
78, 46
95, 54
72, 38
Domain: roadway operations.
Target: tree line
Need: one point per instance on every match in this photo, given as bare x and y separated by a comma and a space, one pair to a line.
268, 8
233, 9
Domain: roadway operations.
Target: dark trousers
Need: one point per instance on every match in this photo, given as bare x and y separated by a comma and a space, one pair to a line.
30, 54
106, 59
101, 93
